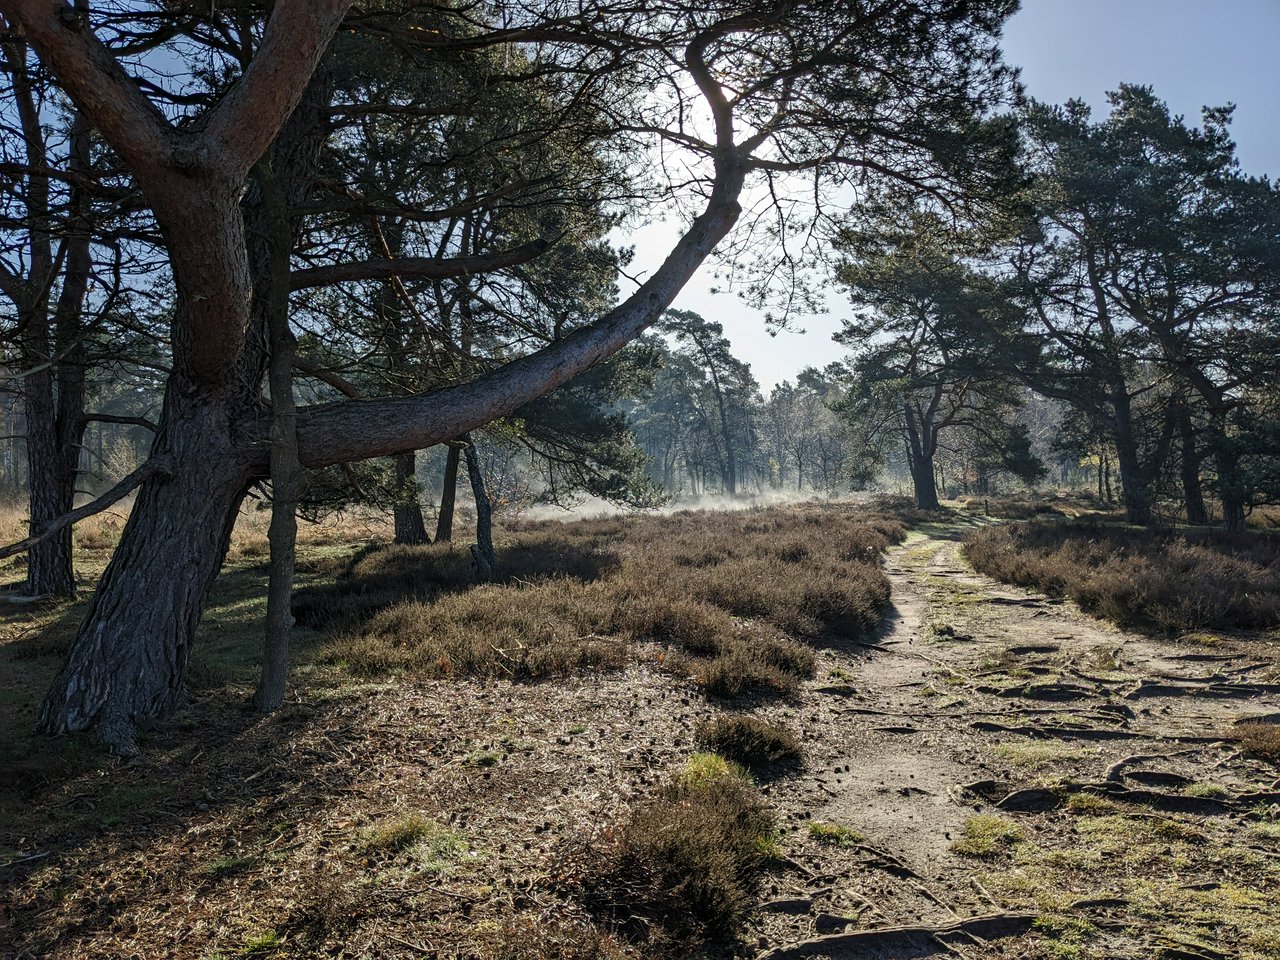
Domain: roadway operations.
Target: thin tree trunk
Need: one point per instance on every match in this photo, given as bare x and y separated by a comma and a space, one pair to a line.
411, 529
1192, 491
448, 495
286, 471
51, 493
54, 394
482, 553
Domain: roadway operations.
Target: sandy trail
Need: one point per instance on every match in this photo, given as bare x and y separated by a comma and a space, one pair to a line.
974, 690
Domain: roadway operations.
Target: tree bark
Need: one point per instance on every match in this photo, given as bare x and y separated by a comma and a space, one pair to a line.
1192, 491
448, 496
482, 553
129, 659
411, 530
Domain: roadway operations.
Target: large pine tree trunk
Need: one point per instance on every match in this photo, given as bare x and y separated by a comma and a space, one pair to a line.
1134, 482
1231, 487
411, 529
920, 460
925, 484
128, 662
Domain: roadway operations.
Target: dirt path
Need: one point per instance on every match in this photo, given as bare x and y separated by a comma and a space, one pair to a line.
977, 690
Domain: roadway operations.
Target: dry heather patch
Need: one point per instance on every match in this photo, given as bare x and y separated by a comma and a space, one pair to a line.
1261, 740
681, 872
1162, 581
756, 744
725, 593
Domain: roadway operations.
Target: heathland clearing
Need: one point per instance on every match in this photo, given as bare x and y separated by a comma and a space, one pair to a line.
936, 757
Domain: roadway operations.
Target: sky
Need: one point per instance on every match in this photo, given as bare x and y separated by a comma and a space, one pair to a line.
1192, 52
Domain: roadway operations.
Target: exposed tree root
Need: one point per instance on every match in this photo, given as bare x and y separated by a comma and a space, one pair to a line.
1062, 733
989, 927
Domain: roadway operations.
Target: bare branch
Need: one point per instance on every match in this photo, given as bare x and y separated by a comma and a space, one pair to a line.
156, 467
422, 268
130, 122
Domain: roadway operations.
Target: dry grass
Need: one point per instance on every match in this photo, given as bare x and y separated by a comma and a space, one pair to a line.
1163, 581
530, 938
1261, 740
725, 594
1011, 508
682, 870
96, 537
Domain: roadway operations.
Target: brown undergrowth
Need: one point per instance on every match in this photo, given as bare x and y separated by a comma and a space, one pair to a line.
725, 596
1162, 581
382, 806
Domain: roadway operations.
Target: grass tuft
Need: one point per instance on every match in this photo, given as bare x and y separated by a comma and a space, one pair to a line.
835, 835
986, 836
434, 848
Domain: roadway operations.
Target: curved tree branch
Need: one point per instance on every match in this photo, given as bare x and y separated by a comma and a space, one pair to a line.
357, 429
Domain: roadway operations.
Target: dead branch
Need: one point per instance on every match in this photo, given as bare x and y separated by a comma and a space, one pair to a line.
156, 467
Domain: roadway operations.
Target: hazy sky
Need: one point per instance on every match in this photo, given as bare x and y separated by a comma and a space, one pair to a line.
1193, 52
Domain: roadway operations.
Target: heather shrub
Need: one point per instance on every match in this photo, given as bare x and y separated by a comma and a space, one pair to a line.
725, 593
1161, 581
682, 870
1261, 740
751, 742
